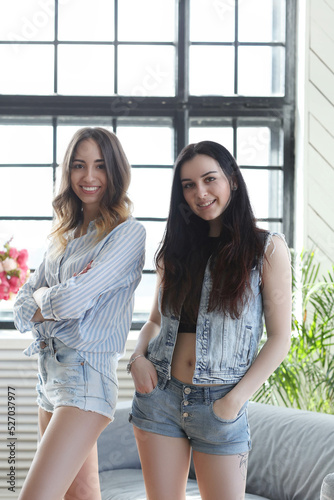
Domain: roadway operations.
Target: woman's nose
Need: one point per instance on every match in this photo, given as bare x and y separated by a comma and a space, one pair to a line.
89, 174
201, 190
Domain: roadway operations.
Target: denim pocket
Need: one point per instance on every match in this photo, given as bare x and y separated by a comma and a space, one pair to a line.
229, 421
147, 394
65, 356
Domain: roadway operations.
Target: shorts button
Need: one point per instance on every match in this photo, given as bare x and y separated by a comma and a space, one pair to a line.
185, 403
185, 415
187, 390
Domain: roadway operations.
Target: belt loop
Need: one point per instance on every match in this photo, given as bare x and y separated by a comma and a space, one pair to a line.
51, 346
206, 395
162, 381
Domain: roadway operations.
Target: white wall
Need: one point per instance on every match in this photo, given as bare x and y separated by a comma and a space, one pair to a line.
315, 129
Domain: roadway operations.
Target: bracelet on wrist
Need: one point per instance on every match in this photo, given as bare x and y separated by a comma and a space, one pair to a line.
132, 360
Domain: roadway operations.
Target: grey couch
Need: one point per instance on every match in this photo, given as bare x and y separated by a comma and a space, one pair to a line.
292, 457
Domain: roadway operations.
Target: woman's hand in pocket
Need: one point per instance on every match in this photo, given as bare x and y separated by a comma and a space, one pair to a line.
144, 375
226, 408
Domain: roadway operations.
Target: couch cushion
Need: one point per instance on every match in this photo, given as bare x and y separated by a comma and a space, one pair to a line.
117, 445
292, 452
129, 485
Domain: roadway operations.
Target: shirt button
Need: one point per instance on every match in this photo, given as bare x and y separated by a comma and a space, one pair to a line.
185, 415
187, 390
185, 403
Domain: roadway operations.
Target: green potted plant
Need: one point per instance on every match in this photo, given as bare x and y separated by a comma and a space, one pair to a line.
305, 379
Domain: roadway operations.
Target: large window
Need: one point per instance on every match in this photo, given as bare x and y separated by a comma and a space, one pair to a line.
160, 74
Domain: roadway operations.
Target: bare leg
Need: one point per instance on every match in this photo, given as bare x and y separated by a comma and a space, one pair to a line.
67, 441
165, 463
86, 485
221, 477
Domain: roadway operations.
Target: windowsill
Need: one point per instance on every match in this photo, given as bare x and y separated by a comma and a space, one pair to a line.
13, 334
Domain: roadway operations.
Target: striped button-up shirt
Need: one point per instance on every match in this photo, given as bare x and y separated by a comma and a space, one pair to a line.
91, 312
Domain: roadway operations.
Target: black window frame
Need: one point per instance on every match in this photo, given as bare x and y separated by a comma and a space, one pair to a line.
181, 108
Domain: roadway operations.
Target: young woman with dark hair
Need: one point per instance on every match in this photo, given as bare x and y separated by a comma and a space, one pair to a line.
78, 305
196, 363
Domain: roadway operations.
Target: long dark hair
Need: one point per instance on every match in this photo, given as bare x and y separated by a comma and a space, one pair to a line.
180, 255
115, 206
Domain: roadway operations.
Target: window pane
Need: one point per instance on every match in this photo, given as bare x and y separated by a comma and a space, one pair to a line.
31, 235
145, 145
33, 191
276, 227
144, 294
23, 21
262, 21
261, 71
26, 69
154, 235
265, 192
86, 69
150, 191
147, 20
146, 70
82, 20
211, 70
212, 21
25, 144
259, 146
221, 135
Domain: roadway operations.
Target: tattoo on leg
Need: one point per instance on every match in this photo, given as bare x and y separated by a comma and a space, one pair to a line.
243, 464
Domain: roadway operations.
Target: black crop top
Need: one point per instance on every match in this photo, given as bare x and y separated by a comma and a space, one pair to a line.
186, 324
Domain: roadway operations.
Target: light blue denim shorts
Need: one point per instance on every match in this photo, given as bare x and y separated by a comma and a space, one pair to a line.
66, 379
186, 411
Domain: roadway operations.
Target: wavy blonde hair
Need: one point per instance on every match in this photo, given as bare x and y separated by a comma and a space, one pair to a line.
115, 205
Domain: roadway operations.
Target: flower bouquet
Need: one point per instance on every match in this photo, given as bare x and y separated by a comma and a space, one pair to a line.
13, 270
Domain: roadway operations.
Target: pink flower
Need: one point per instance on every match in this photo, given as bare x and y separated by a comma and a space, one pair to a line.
14, 284
3, 278
9, 264
22, 258
4, 292
13, 253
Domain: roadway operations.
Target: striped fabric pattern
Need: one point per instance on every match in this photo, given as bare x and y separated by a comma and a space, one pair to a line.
91, 312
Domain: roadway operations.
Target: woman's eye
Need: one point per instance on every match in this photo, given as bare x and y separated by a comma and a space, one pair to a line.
210, 179
77, 165
187, 186
101, 166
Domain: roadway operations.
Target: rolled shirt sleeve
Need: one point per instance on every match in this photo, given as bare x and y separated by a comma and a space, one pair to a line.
25, 305
113, 267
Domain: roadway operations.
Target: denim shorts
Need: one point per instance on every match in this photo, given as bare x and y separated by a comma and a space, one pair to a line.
186, 411
66, 379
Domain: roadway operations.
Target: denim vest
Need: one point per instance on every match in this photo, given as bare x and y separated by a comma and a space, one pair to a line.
225, 347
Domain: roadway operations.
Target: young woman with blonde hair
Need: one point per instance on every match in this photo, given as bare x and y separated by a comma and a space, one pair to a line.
196, 363
78, 305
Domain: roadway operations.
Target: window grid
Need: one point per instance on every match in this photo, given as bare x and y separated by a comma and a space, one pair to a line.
183, 109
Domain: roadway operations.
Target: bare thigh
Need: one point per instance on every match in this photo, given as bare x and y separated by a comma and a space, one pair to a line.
68, 441
165, 464
221, 477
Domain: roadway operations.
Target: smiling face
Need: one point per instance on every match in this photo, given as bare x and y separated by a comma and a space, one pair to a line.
206, 189
88, 175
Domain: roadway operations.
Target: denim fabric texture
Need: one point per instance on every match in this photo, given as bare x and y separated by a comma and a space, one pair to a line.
66, 379
225, 346
186, 411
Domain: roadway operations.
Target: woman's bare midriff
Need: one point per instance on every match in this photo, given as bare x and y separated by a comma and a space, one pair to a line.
184, 358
